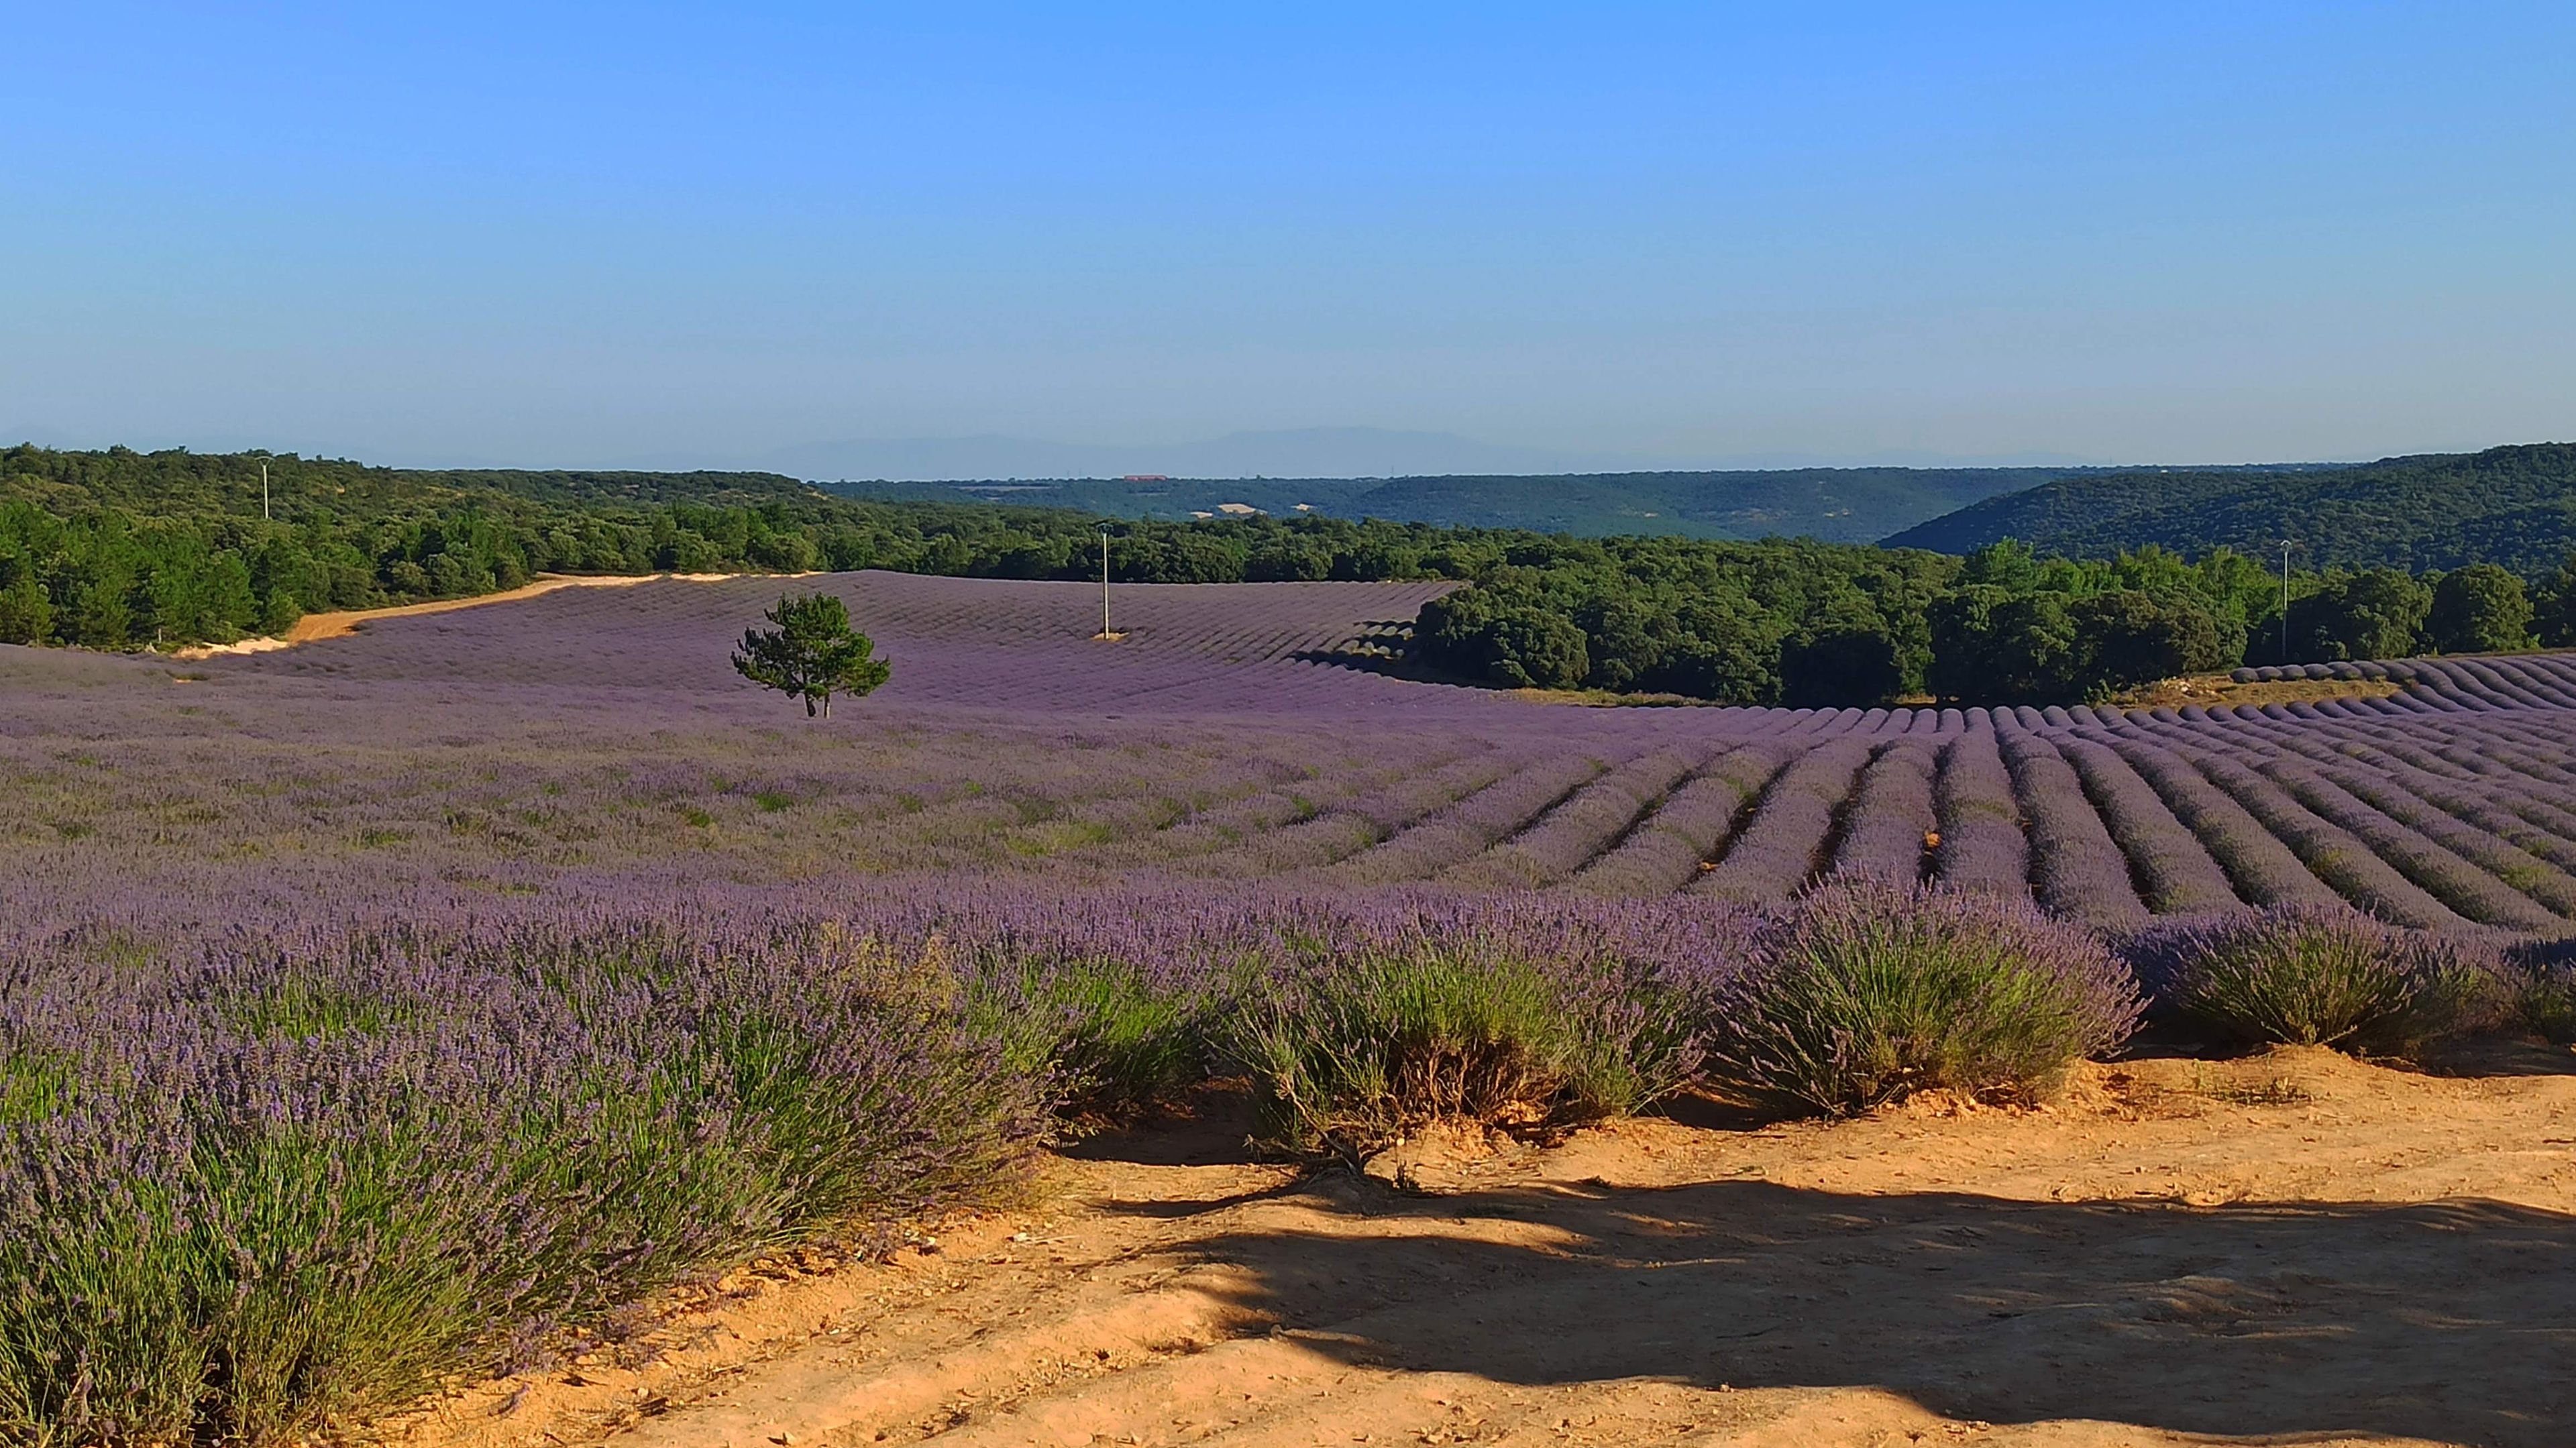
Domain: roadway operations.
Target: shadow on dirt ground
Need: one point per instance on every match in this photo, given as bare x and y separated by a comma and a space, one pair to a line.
2452, 1321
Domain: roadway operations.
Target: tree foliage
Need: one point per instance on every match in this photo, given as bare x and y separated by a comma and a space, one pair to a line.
2478, 609
122, 549
812, 654
2511, 506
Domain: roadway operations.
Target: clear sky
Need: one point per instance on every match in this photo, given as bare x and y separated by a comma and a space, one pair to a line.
544, 234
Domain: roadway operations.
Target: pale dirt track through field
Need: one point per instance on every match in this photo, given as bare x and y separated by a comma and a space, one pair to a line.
2292, 1248
315, 627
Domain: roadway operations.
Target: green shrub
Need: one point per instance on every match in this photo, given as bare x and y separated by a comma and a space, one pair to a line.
2544, 999
1369, 1044
1864, 994
2308, 977
1115, 1037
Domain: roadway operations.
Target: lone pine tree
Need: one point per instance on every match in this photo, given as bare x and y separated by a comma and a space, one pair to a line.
812, 654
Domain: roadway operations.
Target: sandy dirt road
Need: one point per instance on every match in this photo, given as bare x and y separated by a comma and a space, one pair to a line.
2294, 1248
315, 627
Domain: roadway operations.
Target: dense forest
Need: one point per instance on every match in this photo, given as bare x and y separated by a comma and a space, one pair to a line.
124, 550
2510, 506
1804, 624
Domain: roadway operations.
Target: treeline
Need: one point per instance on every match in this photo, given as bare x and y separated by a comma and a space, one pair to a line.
1806, 624
119, 549
2511, 506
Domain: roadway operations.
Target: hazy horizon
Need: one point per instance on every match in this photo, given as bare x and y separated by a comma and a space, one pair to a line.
1321, 453
1637, 235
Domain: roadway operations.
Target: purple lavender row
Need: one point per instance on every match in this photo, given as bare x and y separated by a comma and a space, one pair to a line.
1664, 852
1783, 846
2175, 871
1983, 846
1891, 830
2076, 871
1473, 824
2438, 872
2259, 867
2330, 852
1585, 825
2404, 795
1363, 822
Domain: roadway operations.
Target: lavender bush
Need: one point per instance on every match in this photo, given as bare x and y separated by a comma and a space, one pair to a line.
1362, 1045
1862, 995
2318, 978
2544, 992
281, 1184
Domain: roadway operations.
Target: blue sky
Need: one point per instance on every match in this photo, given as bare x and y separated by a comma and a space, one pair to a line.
653, 233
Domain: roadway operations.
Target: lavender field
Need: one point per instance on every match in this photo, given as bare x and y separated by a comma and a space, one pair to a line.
593, 742
413, 1002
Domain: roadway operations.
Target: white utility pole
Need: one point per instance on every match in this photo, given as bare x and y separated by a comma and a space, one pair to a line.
2285, 600
1104, 583
263, 493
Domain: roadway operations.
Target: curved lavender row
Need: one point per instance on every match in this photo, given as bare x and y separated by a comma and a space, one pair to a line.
1983, 846
2330, 852
2437, 871
1473, 824
2544, 687
2259, 868
2076, 870
1360, 823
1782, 847
2398, 792
1586, 824
2176, 873
1888, 833
2553, 687
1663, 853
1294, 799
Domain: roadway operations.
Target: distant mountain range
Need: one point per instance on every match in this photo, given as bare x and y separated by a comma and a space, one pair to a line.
1845, 505
2510, 505
1323, 452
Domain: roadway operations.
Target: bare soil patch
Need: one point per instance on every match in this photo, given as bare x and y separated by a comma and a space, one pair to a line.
2290, 1247
2213, 689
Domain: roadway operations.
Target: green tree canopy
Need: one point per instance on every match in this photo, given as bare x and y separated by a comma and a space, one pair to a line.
2480, 609
812, 654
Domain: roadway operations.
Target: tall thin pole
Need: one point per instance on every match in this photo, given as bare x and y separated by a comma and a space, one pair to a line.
1104, 583
263, 493
2285, 600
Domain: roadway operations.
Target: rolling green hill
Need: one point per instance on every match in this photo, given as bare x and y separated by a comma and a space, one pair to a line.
1837, 505
176, 481
2514, 506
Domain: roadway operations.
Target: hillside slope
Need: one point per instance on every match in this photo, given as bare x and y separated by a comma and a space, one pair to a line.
175, 481
2510, 505
1839, 505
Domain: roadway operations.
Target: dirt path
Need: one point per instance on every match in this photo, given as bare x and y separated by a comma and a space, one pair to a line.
2293, 1248
315, 627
